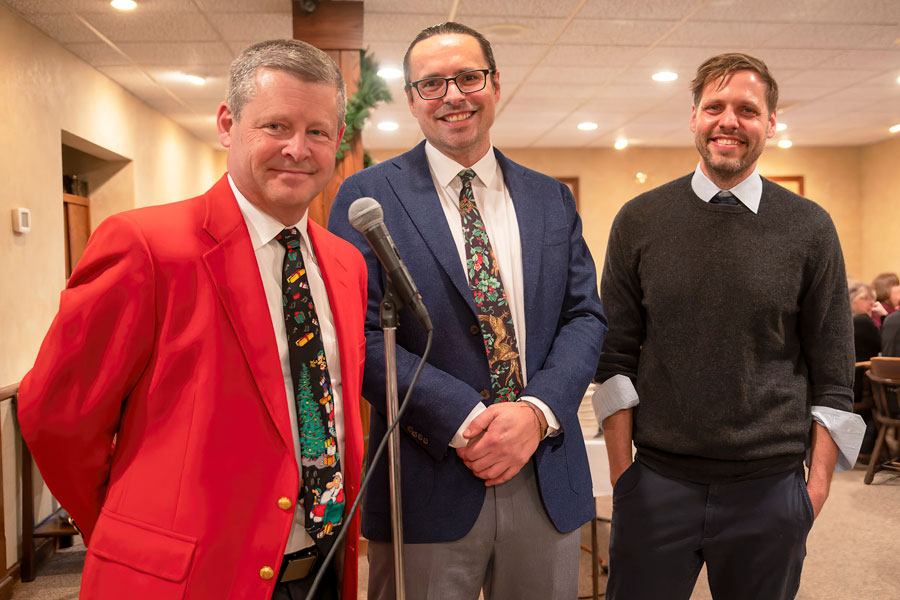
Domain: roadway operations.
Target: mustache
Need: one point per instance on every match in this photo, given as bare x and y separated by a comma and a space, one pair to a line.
454, 109
736, 136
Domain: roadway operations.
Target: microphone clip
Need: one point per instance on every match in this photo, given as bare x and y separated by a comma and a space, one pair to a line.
391, 304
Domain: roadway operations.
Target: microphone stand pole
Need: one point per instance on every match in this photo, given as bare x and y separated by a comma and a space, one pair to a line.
389, 322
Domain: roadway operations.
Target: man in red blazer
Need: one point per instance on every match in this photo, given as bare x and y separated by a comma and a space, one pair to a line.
162, 410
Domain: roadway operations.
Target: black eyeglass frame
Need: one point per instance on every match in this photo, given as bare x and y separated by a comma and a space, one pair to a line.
447, 80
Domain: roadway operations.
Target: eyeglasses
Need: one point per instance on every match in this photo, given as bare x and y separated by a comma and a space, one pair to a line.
467, 82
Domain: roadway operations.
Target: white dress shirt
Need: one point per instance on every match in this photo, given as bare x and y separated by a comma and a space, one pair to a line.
269, 258
617, 393
499, 216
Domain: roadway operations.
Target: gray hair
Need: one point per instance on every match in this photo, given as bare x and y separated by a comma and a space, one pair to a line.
305, 62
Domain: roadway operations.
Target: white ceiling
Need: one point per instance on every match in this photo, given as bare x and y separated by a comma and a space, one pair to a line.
561, 62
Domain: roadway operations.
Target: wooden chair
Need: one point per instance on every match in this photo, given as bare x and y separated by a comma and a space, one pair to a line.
57, 525
865, 401
884, 373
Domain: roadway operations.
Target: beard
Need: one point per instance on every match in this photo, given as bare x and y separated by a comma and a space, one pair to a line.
726, 168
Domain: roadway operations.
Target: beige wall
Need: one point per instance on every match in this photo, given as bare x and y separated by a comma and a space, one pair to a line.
607, 180
880, 241
45, 91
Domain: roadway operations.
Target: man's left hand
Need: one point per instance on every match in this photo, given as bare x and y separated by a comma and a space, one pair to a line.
501, 440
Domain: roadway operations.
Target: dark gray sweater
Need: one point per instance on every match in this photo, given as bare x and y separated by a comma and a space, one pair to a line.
731, 325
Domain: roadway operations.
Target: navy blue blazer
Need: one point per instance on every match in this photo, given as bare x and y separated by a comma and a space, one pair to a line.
565, 329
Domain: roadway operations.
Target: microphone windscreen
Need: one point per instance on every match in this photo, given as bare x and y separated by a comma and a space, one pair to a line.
364, 213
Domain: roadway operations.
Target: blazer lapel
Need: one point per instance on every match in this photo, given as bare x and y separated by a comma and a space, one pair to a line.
414, 188
234, 271
530, 217
335, 275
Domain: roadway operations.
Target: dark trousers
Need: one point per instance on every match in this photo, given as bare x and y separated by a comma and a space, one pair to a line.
751, 535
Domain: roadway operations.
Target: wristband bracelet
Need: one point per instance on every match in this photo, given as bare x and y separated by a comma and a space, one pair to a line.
542, 429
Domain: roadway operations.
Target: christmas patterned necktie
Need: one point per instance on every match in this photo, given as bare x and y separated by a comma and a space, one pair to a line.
494, 315
321, 484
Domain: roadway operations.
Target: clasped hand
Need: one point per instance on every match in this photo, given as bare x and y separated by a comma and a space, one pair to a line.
501, 440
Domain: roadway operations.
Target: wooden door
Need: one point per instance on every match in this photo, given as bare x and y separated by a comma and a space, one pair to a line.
77, 228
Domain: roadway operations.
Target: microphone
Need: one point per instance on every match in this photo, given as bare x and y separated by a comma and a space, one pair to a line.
366, 217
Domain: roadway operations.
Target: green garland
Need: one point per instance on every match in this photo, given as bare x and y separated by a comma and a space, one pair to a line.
372, 90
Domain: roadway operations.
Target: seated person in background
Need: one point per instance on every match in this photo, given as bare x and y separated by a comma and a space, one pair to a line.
867, 343
890, 335
863, 302
887, 291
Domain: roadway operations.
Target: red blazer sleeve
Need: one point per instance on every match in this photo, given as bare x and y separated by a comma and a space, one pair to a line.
94, 353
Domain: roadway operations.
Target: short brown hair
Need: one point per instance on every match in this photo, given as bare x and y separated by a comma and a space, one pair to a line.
882, 285
722, 65
303, 61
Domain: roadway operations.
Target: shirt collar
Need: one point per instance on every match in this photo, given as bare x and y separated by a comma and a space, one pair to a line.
445, 169
262, 226
749, 191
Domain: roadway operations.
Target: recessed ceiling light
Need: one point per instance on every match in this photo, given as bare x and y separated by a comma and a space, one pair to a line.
587, 126
507, 31
785, 143
895, 128
664, 76
388, 126
195, 79
780, 126
123, 4
390, 73
640, 177
898, 78
620, 144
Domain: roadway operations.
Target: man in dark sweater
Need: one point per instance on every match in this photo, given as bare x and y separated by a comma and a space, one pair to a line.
728, 361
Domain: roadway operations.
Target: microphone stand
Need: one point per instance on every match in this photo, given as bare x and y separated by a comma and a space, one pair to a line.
389, 321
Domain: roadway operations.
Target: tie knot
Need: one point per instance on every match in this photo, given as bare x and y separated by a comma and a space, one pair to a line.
726, 198
289, 238
466, 176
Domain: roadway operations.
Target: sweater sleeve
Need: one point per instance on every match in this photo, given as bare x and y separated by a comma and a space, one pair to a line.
826, 327
620, 291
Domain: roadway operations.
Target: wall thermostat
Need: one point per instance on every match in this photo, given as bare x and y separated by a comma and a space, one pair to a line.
21, 220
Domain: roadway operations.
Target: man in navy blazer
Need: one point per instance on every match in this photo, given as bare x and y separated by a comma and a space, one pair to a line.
493, 492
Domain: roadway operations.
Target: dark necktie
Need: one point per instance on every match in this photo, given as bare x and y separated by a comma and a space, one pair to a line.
321, 483
494, 314
726, 198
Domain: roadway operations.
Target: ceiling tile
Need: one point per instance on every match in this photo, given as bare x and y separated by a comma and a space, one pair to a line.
389, 27
256, 27
591, 56
153, 27
63, 28
725, 36
864, 59
241, 6
517, 54
640, 9
523, 8
841, 36
405, 7
615, 32
533, 31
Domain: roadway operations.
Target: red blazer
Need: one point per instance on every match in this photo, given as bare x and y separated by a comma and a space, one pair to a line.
156, 409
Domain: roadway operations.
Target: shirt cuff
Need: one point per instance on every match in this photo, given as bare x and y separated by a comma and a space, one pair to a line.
458, 440
615, 394
846, 429
553, 426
